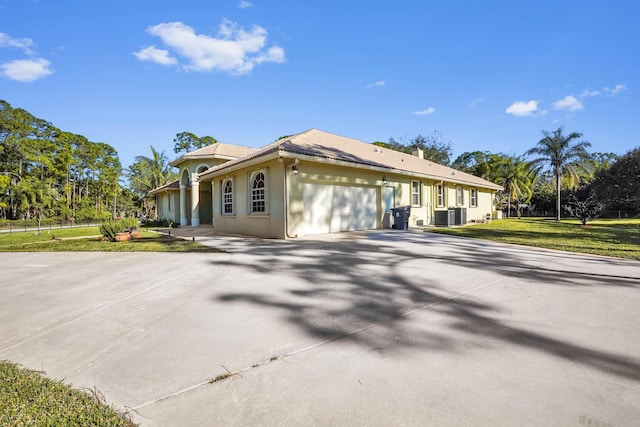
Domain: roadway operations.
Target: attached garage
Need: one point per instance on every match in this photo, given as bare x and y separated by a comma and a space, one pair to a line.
335, 208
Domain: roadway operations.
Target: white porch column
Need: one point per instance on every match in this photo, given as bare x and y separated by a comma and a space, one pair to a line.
195, 201
183, 205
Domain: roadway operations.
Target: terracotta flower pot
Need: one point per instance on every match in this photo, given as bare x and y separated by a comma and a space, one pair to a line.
122, 237
136, 234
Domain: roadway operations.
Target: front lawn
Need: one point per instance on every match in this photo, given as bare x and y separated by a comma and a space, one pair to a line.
616, 238
86, 239
28, 398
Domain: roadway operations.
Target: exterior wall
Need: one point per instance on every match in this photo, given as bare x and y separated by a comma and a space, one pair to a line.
267, 225
485, 206
321, 173
484, 201
195, 209
195, 165
169, 210
285, 188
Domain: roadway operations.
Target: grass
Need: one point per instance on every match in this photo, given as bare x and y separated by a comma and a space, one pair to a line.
28, 398
616, 238
86, 239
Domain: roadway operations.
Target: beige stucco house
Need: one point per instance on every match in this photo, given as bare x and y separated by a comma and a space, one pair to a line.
316, 182
184, 201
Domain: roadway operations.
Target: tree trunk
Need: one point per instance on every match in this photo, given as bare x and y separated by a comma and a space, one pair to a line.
557, 197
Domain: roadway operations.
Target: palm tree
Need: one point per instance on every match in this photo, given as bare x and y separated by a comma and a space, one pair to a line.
147, 173
515, 175
563, 156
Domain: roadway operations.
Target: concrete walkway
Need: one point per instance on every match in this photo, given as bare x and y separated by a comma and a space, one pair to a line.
360, 329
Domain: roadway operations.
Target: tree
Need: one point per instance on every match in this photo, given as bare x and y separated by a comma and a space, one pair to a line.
602, 161
516, 177
187, 141
432, 146
147, 173
562, 156
619, 186
585, 209
52, 172
474, 162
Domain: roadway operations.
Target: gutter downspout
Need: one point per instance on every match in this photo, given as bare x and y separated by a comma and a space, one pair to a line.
286, 199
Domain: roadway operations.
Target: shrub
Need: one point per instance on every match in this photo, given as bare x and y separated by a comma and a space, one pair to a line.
110, 227
129, 223
165, 223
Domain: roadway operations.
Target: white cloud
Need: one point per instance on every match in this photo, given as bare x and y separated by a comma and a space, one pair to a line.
233, 50
244, 4
569, 102
523, 109
587, 92
475, 102
426, 112
616, 90
26, 70
23, 44
379, 83
23, 70
153, 54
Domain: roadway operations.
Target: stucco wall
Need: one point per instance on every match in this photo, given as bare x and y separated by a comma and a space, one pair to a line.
267, 225
166, 210
196, 165
280, 224
319, 173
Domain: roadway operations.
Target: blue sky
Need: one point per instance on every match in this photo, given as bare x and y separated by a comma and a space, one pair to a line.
487, 75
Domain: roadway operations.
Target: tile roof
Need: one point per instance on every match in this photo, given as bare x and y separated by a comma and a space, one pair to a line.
323, 145
219, 150
174, 185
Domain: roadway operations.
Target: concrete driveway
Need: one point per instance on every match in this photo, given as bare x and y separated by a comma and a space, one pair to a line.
360, 329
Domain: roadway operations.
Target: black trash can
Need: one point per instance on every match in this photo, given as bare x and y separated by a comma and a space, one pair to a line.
401, 217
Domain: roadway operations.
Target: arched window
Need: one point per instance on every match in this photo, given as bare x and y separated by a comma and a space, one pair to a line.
227, 197
258, 193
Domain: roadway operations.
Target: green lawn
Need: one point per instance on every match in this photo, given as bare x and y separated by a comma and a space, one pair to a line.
86, 239
28, 398
616, 238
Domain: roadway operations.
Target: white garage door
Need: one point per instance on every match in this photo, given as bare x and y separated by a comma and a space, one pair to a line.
333, 208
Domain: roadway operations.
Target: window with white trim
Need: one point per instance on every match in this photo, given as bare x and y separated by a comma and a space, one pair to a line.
227, 196
459, 196
440, 195
415, 193
258, 192
473, 198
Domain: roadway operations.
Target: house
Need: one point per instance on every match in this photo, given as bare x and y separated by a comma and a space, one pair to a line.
316, 182
183, 201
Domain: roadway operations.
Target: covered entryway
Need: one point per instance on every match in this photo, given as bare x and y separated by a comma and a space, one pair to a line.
334, 208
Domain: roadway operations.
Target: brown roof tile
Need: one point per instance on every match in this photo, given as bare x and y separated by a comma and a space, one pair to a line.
323, 145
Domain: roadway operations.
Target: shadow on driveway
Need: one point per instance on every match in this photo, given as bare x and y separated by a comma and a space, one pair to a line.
376, 281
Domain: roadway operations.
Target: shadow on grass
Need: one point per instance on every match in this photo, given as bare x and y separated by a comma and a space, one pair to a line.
166, 243
371, 284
